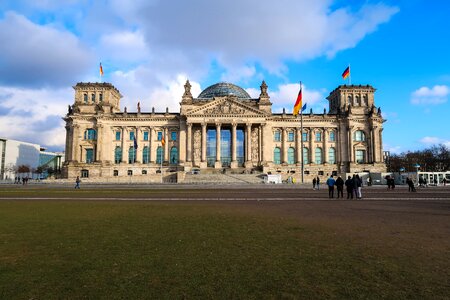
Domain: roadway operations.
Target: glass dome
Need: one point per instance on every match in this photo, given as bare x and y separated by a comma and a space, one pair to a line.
223, 89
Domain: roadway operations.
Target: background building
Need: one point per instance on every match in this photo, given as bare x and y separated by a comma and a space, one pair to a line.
223, 129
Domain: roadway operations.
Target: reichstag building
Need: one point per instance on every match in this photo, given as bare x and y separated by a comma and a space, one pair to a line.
221, 130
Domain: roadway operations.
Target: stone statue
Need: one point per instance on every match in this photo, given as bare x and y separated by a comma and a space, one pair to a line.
139, 106
125, 109
379, 111
187, 89
263, 89
69, 110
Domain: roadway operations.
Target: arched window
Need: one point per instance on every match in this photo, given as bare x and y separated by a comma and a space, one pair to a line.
350, 100
305, 155
366, 102
332, 136
93, 98
90, 134
318, 155
291, 156
358, 101
359, 136
277, 156
131, 155
159, 154
145, 155
85, 98
118, 155
174, 155
332, 155
100, 97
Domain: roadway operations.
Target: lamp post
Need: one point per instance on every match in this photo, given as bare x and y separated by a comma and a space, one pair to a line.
401, 170
417, 166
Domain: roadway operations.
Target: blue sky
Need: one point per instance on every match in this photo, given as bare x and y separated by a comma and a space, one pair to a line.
149, 48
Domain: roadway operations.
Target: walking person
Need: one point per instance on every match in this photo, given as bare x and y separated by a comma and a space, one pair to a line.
317, 182
444, 181
331, 182
340, 187
314, 183
388, 182
77, 182
349, 186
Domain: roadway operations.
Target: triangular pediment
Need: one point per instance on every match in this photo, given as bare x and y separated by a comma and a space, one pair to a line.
226, 107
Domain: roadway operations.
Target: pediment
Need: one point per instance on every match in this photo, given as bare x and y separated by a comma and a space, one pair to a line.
226, 107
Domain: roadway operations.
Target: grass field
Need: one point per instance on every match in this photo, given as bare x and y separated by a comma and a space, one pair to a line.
182, 249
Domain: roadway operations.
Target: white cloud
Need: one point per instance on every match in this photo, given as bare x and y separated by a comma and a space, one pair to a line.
124, 46
34, 115
36, 55
286, 94
435, 95
432, 140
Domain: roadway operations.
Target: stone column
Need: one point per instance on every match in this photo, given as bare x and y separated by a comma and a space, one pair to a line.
152, 149
234, 163
298, 146
350, 145
260, 145
325, 148
122, 145
69, 140
166, 144
380, 145
189, 143
248, 145
140, 147
218, 163
99, 143
204, 142
312, 152
284, 146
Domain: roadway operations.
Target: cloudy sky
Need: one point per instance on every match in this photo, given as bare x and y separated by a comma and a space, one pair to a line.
148, 48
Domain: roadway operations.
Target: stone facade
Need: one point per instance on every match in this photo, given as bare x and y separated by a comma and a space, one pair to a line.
101, 139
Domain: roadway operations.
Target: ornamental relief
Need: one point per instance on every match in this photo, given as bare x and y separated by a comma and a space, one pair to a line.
225, 108
197, 144
255, 144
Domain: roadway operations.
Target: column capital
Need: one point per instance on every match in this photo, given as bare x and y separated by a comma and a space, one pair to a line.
234, 124
204, 124
218, 124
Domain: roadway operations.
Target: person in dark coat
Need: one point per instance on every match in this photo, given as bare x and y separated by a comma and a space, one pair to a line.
340, 187
314, 183
349, 186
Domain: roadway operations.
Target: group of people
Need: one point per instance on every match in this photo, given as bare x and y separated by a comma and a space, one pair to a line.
352, 184
390, 181
410, 183
19, 180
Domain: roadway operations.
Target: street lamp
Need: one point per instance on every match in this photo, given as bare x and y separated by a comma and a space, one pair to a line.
417, 166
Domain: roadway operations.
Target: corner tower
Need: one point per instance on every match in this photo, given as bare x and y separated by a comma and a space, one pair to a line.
359, 99
96, 97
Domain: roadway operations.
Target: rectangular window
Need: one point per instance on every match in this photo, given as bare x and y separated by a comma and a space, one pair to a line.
84, 173
318, 136
116, 173
173, 136
145, 135
131, 135
89, 155
360, 156
160, 135
290, 136
332, 137
305, 136
277, 136
117, 135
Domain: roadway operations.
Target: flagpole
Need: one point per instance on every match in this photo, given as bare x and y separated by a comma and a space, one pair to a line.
161, 159
349, 75
301, 133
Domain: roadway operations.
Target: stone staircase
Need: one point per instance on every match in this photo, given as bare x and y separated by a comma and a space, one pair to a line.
223, 179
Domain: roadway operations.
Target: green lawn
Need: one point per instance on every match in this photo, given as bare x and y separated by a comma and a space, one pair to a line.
173, 250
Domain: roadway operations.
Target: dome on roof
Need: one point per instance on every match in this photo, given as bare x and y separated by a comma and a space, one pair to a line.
224, 89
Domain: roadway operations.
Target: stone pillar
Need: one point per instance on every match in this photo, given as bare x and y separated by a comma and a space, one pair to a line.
380, 145
122, 145
99, 143
204, 142
298, 146
166, 144
248, 145
69, 139
350, 145
152, 149
140, 145
324, 147
260, 145
284, 146
218, 163
189, 143
312, 152
234, 163
75, 144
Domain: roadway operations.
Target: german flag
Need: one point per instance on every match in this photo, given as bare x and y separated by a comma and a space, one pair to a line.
298, 103
101, 70
346, 73
163, 141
